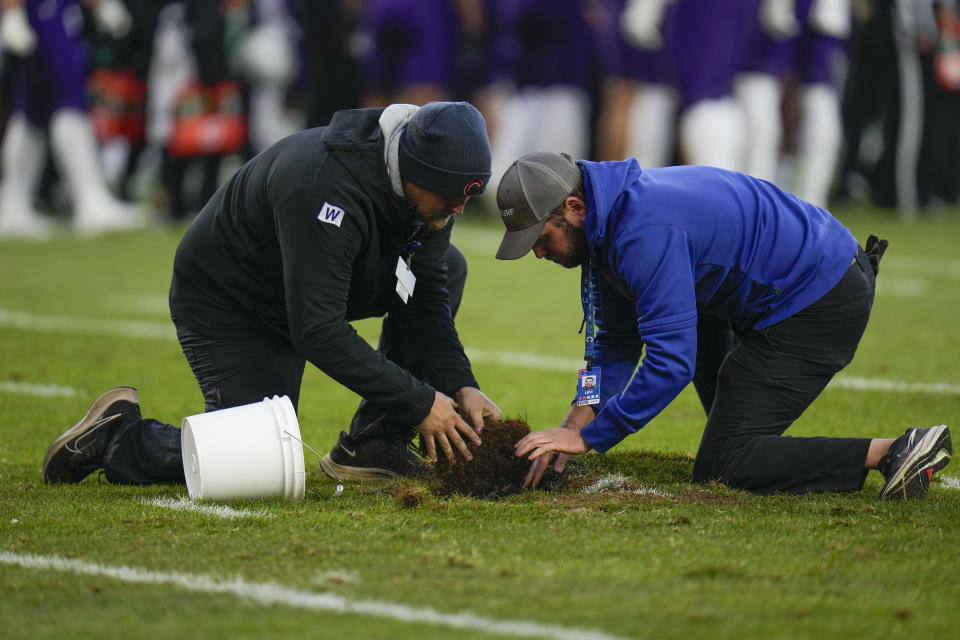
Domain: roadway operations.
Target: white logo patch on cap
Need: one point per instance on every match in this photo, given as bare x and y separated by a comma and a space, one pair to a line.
330, 214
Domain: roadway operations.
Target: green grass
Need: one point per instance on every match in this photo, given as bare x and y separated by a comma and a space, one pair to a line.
700, 561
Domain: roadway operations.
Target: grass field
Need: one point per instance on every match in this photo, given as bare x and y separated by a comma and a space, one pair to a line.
651, 556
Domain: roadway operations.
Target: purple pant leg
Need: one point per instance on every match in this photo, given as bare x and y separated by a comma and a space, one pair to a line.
818, 55
414, 42
534, 42
55, 75
766, 54
653, 66
709, 46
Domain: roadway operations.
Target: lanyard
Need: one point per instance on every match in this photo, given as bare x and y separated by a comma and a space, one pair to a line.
412, 249
587, 293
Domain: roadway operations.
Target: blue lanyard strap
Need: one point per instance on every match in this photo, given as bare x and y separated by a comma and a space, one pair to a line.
411, 250
587, 292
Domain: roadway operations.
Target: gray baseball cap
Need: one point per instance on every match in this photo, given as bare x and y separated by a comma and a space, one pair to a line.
529, 191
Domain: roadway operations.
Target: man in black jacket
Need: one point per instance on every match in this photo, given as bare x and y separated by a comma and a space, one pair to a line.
329, 225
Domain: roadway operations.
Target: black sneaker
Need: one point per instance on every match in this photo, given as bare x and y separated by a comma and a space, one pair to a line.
78, 451
912, 460
373, 459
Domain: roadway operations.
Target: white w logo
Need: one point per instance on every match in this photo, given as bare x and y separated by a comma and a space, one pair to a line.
330, 214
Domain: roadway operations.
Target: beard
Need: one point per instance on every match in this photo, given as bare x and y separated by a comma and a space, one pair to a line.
435, 221
579, 248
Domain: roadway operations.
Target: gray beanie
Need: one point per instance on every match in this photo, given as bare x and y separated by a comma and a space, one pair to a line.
444, 149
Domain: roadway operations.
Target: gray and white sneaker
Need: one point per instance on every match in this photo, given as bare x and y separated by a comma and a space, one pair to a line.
373, 459
78, 451
912, 460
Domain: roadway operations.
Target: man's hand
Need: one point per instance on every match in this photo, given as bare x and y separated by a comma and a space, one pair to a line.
477, 406
442, 425
543, 445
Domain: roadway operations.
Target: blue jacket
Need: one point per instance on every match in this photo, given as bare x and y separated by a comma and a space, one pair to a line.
667, 244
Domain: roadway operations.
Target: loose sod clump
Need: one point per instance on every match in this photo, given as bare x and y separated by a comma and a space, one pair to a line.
494, 471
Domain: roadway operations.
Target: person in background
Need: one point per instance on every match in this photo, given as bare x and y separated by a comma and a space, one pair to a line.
50, 76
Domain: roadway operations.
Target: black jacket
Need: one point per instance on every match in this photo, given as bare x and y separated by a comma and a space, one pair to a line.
263, 255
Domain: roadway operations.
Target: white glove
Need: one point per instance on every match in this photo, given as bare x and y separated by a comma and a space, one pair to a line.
17, 35
112, 17
779, 18
640, 23
831, 17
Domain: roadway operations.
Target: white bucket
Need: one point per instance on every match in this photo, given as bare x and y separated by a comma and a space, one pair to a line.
244, 452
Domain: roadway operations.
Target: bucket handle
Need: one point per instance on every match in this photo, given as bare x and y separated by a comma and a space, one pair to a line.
323, 464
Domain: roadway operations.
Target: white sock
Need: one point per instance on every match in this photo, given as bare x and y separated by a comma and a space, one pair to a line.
759, 94
713, 133
22, 157
820, 138
651, 122
75, 150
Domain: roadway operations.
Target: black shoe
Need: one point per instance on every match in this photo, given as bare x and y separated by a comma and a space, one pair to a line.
373, 459
79, 450
912, 460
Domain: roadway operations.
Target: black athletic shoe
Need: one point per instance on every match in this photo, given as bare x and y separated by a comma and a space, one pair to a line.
373, 459
912, 460
79, 450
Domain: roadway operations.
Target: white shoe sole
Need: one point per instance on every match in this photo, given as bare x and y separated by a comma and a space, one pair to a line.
370, 474
931, 453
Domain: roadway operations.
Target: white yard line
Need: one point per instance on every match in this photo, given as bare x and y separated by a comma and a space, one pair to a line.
88, 326
901, 287
879, 384
920, 265
267, 593
164, 330
949, 482
45, 390
181, 503
155, 305
524, 360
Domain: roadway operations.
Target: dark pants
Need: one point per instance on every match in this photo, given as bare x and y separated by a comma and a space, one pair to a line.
245, 370
755, 384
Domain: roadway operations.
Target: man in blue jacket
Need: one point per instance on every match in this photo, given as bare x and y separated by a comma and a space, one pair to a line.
756, 296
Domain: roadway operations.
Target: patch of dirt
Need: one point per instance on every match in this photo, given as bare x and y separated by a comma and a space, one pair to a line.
494, 471
409, 496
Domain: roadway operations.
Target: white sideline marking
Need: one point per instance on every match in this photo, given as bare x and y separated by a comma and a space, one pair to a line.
89, 326
46, 390
267, 593
877, 384
924, 265
138, 329
903, 287
950, 482
182, 503
151, 304
524, 360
